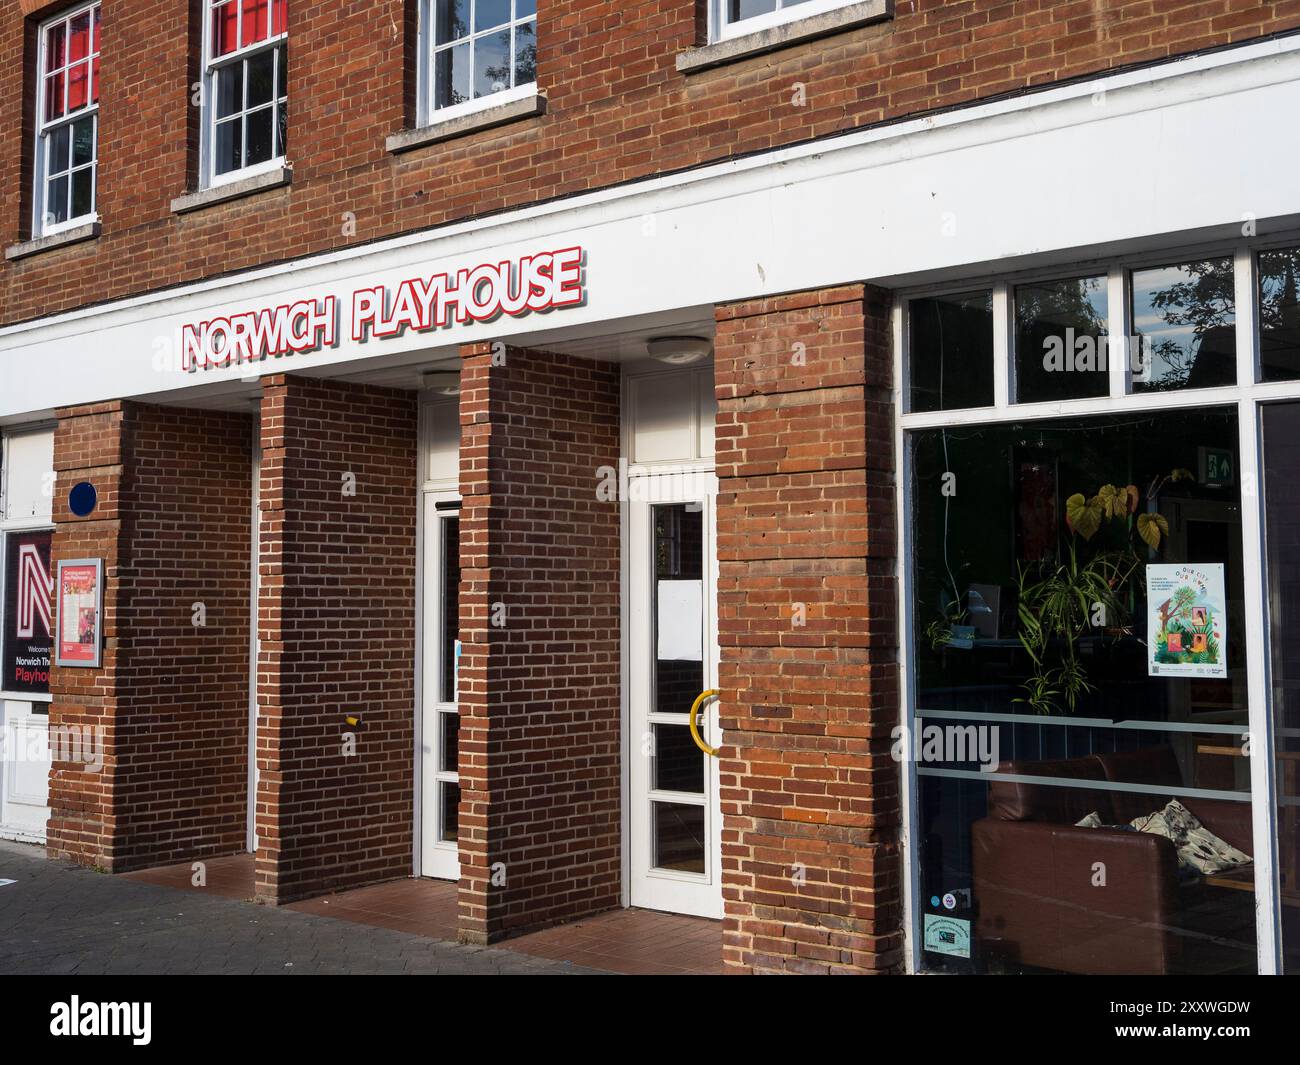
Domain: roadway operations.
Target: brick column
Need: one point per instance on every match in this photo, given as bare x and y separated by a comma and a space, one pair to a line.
539, 673
336, 628
807, 626
170, 703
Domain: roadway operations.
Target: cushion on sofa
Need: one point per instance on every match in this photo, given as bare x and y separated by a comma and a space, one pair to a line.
1199, 849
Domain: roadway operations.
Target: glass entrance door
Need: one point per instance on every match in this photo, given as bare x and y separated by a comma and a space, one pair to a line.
439, 717
674, 813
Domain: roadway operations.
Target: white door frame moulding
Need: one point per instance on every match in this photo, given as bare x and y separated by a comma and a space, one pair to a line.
999, 182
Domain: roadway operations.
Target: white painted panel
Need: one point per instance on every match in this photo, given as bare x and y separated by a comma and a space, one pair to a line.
444, 442
662, 411
708, 413
24, 772
29, 465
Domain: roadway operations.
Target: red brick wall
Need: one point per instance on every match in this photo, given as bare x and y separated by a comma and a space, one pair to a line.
807, 629
336, 620
618, 110
173, 524
539, 695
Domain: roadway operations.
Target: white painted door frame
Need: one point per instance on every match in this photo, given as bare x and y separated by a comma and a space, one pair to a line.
663, 889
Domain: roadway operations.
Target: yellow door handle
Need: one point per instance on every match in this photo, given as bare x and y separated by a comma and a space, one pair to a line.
695, 732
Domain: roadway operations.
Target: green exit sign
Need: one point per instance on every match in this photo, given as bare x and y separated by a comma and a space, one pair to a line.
1218, 466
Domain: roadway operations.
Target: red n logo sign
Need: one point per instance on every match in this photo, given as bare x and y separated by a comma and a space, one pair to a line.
35, 586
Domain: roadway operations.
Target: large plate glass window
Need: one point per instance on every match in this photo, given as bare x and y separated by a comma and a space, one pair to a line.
476, 50
1080, 683
67, 120
246, 94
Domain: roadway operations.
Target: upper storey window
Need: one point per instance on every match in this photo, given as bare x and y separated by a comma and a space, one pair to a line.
67, 121
475, 53
734, 18
245, 96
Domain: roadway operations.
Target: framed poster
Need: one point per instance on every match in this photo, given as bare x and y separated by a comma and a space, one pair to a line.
81, 601
1187, 620
28, 587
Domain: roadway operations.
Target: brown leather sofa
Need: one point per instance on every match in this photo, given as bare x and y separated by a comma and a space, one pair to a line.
1034, 872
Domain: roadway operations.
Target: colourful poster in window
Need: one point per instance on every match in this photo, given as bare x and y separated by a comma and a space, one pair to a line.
79, 613
28, 585
1187, 620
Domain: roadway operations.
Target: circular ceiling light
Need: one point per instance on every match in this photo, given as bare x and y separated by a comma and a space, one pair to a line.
679, 351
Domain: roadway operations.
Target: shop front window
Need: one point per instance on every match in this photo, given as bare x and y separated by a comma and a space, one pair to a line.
1081, 720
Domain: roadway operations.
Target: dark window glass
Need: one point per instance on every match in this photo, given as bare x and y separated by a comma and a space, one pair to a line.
678, 763
230, 90
679, 837
261, 78
1279, 314
950, 349
451, 20
1184, 326
452, 76
1080, 682
679, 563
450, 803
260, 138
450, 742
229, 148
1282, 504
83, 186
1060, 340
83, 141
450, 619
56, 203
740, 9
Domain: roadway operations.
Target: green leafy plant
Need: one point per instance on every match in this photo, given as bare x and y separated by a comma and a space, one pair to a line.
1056, 606
938, 633
1058, 603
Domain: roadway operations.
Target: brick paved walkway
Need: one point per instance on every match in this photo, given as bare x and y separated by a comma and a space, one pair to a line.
57, 918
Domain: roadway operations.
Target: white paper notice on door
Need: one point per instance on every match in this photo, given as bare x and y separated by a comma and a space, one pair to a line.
681, 621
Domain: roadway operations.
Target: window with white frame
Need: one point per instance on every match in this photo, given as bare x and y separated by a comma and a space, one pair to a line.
734, 18
67, 121
245, 95
475, 52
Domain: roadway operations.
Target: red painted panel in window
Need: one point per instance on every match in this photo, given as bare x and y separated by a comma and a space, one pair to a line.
225, 27
78, 85
278, 22
79, 37
254, 26
94, 80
